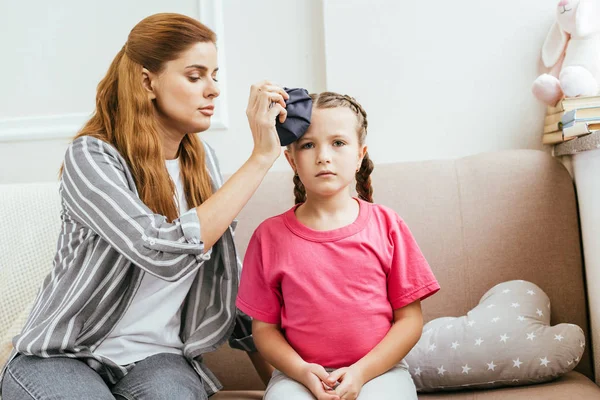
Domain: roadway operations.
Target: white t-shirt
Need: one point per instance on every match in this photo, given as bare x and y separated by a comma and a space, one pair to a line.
151, 323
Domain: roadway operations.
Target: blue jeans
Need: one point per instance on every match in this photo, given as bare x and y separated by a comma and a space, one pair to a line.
162, 376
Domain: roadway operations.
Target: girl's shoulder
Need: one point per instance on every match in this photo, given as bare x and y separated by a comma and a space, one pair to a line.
272, 226
385, 212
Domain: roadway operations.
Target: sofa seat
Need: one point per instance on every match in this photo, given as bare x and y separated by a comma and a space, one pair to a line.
571, 386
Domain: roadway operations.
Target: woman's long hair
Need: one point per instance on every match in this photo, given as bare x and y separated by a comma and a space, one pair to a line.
126, 118
363, 175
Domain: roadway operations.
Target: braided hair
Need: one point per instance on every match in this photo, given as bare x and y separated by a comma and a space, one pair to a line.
363, 175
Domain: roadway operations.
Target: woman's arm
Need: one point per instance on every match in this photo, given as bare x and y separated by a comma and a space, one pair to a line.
216, 213
97, 192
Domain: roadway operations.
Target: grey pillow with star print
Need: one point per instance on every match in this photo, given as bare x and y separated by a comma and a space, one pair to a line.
506, 340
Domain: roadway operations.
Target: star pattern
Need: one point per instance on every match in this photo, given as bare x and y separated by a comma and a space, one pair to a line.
539, 312
510, 307
517, 363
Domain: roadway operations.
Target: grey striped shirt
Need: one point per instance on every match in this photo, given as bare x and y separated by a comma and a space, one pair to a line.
108, 240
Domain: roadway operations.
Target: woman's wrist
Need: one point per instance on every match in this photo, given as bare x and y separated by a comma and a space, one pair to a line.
262, 161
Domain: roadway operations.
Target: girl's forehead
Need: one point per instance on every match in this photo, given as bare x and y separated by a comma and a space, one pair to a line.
329, 120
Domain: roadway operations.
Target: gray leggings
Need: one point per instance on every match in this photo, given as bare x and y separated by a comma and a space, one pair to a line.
396, 384
162, 376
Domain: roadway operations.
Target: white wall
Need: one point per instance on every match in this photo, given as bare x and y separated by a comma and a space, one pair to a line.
438, 79
54, 55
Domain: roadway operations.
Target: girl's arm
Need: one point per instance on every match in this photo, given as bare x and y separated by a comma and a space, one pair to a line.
400, 339
277, 351
262, 367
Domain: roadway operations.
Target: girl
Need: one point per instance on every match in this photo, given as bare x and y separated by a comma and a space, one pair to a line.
145, 272
334, 284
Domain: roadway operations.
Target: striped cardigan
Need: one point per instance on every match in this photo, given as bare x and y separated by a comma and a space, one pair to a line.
109, 239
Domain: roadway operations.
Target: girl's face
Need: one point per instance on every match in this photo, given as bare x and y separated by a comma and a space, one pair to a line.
184, 91
328, 155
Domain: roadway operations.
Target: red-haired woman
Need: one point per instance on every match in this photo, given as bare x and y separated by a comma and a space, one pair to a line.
146, 273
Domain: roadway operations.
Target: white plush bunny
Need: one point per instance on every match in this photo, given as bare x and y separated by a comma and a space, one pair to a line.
572, 52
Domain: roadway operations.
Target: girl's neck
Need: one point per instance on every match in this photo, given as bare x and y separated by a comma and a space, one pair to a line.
327, 213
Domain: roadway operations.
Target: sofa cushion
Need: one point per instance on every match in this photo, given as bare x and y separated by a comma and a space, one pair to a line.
570, 386
506, 340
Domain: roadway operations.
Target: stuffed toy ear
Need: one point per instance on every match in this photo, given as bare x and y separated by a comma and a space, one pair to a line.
587, 19
554, 45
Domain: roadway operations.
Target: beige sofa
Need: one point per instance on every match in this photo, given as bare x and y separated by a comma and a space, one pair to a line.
479, 220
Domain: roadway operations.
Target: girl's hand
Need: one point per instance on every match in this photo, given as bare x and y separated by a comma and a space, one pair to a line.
350, 382
266, 102
313, 377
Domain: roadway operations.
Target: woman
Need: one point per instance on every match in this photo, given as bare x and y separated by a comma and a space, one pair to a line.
146, 273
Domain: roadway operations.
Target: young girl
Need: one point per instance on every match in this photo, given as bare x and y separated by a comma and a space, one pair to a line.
334, 284
145, 274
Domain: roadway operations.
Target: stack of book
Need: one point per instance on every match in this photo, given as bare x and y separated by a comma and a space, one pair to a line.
571, 118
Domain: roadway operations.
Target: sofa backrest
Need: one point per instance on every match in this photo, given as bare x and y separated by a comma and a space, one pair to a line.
30, 215
479, 220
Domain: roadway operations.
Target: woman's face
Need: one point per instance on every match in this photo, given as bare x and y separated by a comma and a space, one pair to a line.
184, 91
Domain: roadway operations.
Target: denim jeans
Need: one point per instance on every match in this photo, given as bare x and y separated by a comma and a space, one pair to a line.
162, 376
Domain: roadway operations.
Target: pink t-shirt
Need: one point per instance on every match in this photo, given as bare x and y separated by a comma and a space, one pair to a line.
333, 292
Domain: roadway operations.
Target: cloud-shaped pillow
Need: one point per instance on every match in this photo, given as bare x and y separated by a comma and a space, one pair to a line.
506, 340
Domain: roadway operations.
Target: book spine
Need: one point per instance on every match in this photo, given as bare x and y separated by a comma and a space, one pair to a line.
556, 109
553, 118
575, 129
552, 127
552, 138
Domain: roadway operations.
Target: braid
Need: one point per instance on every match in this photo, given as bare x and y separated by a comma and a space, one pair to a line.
363, 180
299, 190
360, 112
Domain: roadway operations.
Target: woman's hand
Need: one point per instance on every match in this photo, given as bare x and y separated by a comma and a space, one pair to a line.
350, 382
266, 102
313, 376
